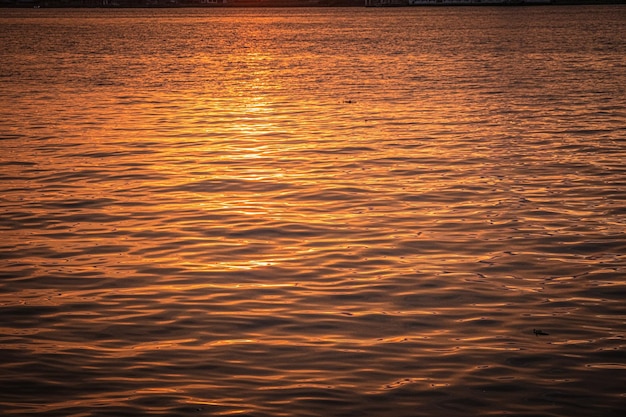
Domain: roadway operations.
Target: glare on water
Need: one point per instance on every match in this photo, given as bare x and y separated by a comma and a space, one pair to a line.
314, 212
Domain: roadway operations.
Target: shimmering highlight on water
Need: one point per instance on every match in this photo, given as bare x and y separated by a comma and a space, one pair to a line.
313, 212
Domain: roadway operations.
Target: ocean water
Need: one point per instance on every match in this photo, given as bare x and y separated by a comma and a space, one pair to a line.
313, 212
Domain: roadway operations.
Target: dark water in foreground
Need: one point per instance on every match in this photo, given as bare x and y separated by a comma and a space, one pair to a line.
313, 212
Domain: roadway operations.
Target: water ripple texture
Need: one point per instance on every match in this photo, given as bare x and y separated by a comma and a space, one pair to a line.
313, 212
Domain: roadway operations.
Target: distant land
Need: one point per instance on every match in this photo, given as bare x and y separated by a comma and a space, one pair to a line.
288, 3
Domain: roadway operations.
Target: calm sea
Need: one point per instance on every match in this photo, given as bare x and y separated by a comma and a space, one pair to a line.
313, 212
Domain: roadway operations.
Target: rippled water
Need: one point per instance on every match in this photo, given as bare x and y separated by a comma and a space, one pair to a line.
313, 212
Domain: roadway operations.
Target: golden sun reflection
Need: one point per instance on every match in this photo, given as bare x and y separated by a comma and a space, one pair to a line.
255, 117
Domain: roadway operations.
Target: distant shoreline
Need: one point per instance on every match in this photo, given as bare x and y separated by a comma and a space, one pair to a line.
113, 4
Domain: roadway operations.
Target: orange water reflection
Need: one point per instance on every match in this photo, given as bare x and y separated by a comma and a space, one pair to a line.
313, 213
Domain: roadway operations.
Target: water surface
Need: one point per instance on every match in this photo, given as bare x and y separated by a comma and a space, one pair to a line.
313, 212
